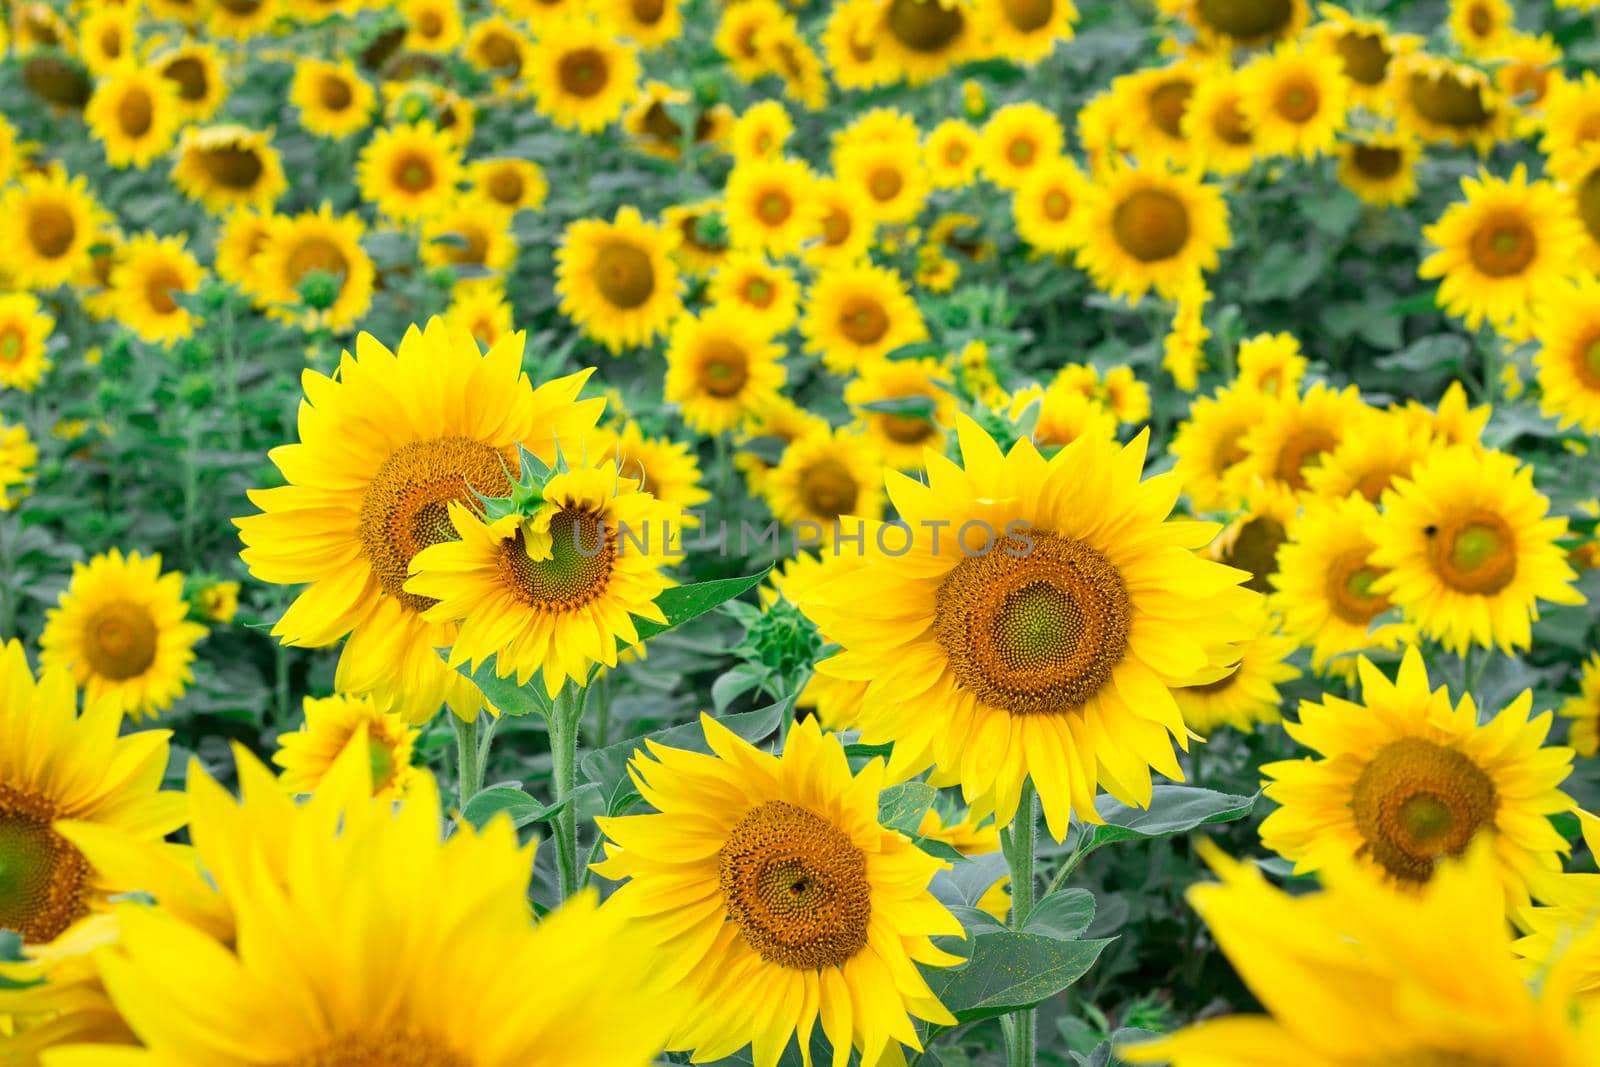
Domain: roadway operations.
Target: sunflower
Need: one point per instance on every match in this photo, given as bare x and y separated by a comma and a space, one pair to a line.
1527, 71
10, 153
514, 184
1183, 353
1017, 140
425, 101
1455, 421
134, 114
738, 32
777, 422
48, 223
145, 286
1215, 127
473, 233
498, 49
1480, 27
241, 19
768, 205
582, 75
761, 131
229, 167
334, 100
924, 39
314, 243
1469, 550
1324, 583
197, 72
1209, 445
18, 455
829, 483
648, 23
119, 629
846, 229
1244, 692
107, 37
409, 172
24, 332
951, 153
431, 25
281, 869
1222, 25
617, 280
1583, 193
763, 292
479, 306
664, 468
906, 407
1380, 168
1508, 242
443, 421
1404, 780
1294, 100
1026, 31
1386, 445
1361, 974
1295, 434
1250, 541
791, 57
1064, 414
701, 231
849, 43
720, 368
1154, 102
1445, 102
1147, 228
56, 766
855, 315
655, 132
1567, 328
1562, 938
1041, 634
1270, 363
331, 725
1366, 49
1043, 206
1572, 126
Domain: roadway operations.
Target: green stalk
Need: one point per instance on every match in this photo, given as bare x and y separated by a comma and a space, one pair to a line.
1018, 842
564, 721
468, 762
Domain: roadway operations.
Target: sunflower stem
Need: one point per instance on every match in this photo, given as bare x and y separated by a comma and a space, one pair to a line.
1019, 843
565, 719
468, 763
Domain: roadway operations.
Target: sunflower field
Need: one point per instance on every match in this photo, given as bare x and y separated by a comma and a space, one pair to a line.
611, 533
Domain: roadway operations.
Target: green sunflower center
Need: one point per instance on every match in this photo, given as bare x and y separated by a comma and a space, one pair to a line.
1255, 549
136, 112
925, 25
43, 878
758, 292
51, 230
829, 489
1474, 553
1349, 589
796, 886
406, 1049
11, 347
1246, 19
1417, 802
1026, 16
1021, 151
576, 572
1057, 205
120, 640
1151, 225
1034, 633
774, 207
583, 72
406, 506
1365, 56
624, 274
234, 166
724, 369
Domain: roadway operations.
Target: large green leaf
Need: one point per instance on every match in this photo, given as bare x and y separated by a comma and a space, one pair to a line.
1064, 915
523, 809
1010, 970
1174, 809
901, 807
682, 603
505, 694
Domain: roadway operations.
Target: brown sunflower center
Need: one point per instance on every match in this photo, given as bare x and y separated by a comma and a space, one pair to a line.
1301, 450
499, 52
505, 185
1027, 16
836, 227
758, 292
11, 346
724, 369
1588, 360
1439, 1058
1349, 588
403, 1049
1418, 801
1168, 102
796, 886
43, 878
413, 173
1365, 56
191, 78
864, 320
1246, 18
885, 183
430, 24
583, 72
241, 7
1057, 205
624, 274
1504, 245
647, 12
582, 553
111, 42
1034, 633
1228, 450
235, 166
1151, 225
1480, 21
1449, 99
136, 112
773, 207
120, 640
52, 230
1255, 549
314, 253
1589, 204
1299, 101
1474, 552
1376, 161
406, 506
1229, 124
335, 93
906, 429
925, 25
829, 488
1529, 80
159, 286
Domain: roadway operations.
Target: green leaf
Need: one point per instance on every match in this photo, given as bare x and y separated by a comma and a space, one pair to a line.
1064, 915
1011, 970
1436, 353
504, 693
901, 807
1174, 809
524, 809
608, 767
917, 407
682, 603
